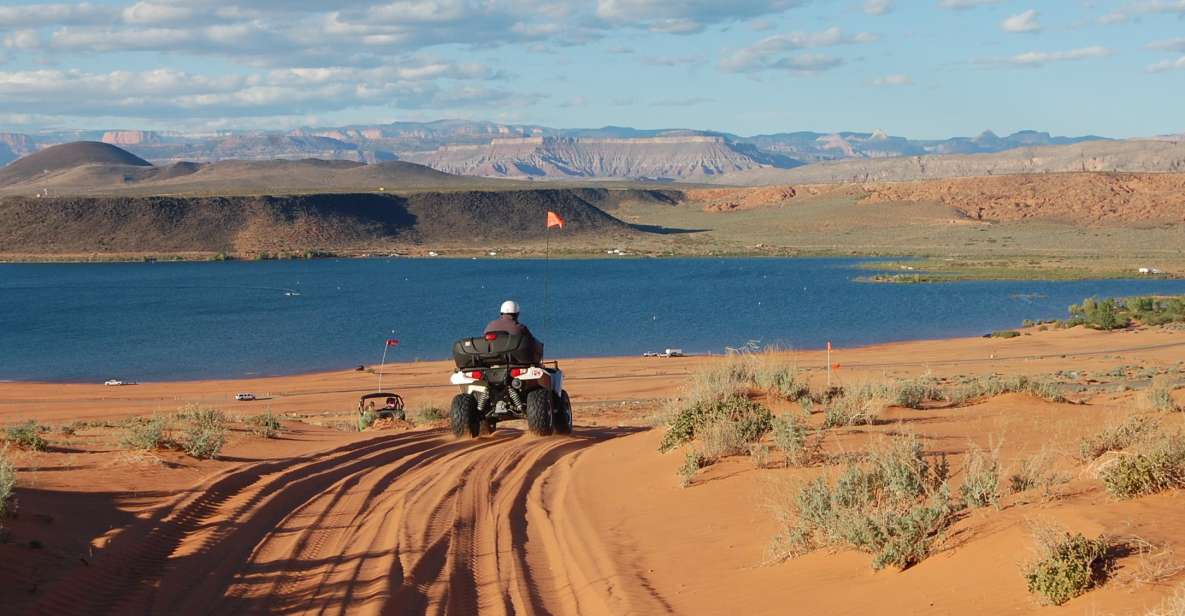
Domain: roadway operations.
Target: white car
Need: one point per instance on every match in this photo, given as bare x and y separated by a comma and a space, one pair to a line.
113, 382
244, 397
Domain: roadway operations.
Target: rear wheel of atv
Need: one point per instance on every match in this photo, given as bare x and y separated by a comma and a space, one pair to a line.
539, 412
487, 427
464, 420
563, 415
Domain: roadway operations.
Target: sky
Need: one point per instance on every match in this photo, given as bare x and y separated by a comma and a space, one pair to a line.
916, 68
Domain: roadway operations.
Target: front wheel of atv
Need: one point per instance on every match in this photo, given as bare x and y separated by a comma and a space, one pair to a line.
464, 420
539, 412
563, 415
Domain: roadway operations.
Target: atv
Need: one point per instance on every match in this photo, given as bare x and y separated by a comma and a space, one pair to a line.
502, 377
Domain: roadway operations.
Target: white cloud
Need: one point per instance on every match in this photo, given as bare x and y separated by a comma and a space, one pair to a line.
22, 39
878, 7
959, 5
39, 15
1039, 58
687, 16
892, 80
1143, 7
156, 13
1177, 44
767, 53
1167, 65
1022, 22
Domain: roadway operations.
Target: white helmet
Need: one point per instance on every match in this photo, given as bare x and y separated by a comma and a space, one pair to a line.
509, 307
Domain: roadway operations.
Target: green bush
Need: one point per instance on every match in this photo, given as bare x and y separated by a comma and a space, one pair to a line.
7, 482
206, 434
1036, 472
146, 434
1070, 565
430, 414
1161, 466
692, 462
1007, 333
894, 507
799, 446
981, 485
1117, 437
861, 405
753, 420
266, 425
1159, 397
911, 394
27, 436
1118, 313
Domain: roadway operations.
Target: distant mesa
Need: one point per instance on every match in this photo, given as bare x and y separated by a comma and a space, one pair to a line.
68, 156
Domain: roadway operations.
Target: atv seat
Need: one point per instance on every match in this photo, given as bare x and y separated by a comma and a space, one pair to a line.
497, 349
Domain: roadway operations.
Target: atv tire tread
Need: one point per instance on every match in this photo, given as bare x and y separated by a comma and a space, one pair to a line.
463, 418
540, 414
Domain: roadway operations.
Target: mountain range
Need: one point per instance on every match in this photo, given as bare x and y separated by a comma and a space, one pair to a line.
531, 151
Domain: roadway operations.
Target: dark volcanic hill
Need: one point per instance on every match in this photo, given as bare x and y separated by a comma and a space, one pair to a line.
68, 156
341, 223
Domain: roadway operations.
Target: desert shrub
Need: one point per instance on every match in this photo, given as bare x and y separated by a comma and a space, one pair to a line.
720, 439
792, 436
205, 435
692, 462
1159, 396
778, 378
266, 425
7, 482
430, 414
759, 452
367, 418
1172, 606
1106, 314
1007, 333
1069, 565
1161, 466
71, 428
981, 483
1117, 437
752, 420
27, 436
1035, 472
913, 393
894, 507
861, 405
146, 434
723, 379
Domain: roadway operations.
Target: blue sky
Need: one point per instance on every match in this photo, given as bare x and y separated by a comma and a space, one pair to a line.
919, 68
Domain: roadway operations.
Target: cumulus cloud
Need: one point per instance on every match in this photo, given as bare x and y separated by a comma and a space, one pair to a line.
878, 7
1177, 44
1022, 22
1144, 7
1040, 58
688, 16
898, 79
770, 52
959, 5
40, 15
1167, 65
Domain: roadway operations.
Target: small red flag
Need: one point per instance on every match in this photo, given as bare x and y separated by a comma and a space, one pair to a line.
554, 220
392, 342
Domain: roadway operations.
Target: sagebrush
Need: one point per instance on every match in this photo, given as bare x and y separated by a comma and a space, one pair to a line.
27, 436
1068, 566
750, 419
7, 483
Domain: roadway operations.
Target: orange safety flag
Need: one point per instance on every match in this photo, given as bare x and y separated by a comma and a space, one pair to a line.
554, 220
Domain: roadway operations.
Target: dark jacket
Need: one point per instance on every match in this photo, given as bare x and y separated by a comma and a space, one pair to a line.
508, 325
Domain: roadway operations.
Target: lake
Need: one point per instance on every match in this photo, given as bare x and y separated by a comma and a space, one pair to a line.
166, 321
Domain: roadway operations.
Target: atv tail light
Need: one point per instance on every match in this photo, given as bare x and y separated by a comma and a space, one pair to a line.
476, 374
491, 336
516, 372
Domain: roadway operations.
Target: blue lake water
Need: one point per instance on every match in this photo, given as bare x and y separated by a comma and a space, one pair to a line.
163, 321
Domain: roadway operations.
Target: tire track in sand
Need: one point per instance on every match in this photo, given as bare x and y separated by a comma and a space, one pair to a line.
398, 524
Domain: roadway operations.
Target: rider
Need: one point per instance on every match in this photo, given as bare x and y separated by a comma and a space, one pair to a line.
508, 322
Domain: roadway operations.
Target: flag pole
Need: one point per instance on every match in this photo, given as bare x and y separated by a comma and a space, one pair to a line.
386, 345
546, 276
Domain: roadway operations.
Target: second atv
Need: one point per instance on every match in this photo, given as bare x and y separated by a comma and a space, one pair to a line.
502, 376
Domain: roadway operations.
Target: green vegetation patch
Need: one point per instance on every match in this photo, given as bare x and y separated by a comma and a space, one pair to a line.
27, 436
1069, 566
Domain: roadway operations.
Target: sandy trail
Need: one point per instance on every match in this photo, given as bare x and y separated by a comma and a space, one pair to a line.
403, 523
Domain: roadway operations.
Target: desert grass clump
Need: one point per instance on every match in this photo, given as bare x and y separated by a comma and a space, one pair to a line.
777, 377
981, 483
1036, 472
751, 420
1159, 397
429, 413
7, 483
1160, 466
798, 444
205, 435
912, 393
27, 436
146, 434
862, 405
1068, 565
266, 425
759, 453
1172, 606
1118, 437
894, 507
692, 461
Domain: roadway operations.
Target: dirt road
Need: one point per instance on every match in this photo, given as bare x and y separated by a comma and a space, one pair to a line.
404, 523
